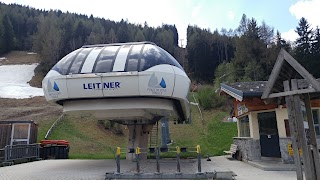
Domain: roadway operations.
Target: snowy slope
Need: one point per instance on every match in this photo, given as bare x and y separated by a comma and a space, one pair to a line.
13, 82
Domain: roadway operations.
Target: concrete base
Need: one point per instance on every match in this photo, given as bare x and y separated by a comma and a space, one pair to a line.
138, 137
272, 165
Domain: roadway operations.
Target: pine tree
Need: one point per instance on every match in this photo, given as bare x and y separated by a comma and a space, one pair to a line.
305, 36
8, 36
303, 44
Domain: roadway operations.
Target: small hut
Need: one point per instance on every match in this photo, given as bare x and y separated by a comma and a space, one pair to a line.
13, 132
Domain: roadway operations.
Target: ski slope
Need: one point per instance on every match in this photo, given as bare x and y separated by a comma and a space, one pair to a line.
14, 82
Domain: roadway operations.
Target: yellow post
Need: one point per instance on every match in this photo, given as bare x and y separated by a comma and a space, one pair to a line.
118, 150
138, 159
178, 150
198, 149
138, 150
199, 158
118, 160
178, 159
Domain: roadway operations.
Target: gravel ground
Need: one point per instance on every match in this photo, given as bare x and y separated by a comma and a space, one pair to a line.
96, 169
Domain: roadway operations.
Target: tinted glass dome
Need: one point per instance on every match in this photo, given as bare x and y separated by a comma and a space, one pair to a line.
122, 57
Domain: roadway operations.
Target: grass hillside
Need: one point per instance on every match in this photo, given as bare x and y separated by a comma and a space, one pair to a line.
89, 139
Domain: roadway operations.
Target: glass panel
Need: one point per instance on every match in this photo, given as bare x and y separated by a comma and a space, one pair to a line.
21, 131
244, 127
105, 61
132, 65
133, 58
315, 115
63, 65
75, 67
151, 56
171, 59
268, 123
317, 128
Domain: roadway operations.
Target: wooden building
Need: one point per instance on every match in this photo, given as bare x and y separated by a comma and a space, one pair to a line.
263, 129
17, 132
279, 116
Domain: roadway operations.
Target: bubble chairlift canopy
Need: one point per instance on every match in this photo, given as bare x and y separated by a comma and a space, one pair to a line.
125, 82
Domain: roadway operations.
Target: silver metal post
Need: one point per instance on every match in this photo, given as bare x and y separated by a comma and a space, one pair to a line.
138, 159
199, 158
157, 159
178, 160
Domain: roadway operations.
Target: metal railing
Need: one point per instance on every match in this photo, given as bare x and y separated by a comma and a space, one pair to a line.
1, 155
158, 174
21, 151
53, 126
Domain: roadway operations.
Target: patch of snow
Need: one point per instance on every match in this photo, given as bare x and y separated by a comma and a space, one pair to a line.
2, 58
31, 53
14, 82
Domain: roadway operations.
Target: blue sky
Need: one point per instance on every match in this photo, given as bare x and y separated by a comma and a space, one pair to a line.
283, 15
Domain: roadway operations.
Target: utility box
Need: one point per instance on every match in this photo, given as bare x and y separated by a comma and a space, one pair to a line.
54, 149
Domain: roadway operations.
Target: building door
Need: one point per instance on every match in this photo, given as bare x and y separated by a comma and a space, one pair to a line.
20, 133
269, 137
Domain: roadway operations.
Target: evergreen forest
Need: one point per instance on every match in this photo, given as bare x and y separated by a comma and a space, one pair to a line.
246, 53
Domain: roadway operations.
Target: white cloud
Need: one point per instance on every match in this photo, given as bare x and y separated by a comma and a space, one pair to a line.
290, 35
231, 15
308, 9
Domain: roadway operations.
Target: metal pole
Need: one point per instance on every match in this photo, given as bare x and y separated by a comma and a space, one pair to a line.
118, 160
157, 159
178, 160
199, 158
138, 159
6, 153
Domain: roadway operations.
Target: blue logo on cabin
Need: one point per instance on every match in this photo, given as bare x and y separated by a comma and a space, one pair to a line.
55, 86
53, 89
154, 82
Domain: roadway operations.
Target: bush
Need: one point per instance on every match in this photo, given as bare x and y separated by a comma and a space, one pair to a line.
117, 129
208, 98
106, 124
110, 125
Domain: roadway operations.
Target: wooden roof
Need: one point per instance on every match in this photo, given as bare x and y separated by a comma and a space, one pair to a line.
287, 68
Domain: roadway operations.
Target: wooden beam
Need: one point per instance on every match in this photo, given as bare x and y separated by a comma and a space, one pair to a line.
293, 92
302, 134
294, 133
273, 77
300, 69
313, 140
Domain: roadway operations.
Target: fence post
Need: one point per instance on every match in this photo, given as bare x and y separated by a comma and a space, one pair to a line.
138, 159
157, 160
6, 153
118, 160
199, 158
178, 160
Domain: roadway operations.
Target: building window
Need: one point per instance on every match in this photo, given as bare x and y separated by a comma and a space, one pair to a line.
244, 126
315, 114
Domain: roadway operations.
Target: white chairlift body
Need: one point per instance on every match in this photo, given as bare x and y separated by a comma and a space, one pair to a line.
123, 82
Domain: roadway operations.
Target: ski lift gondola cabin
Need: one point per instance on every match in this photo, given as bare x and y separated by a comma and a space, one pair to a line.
123, 82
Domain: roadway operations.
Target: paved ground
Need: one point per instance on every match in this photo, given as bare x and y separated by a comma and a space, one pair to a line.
96, 169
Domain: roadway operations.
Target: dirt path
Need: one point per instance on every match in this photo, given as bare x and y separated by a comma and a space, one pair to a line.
36, 109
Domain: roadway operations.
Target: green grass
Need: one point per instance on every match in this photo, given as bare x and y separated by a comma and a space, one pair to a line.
213, 135
89, 140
